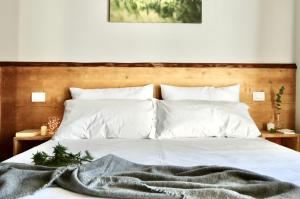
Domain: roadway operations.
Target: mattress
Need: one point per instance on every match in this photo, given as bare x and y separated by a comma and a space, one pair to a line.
257, 155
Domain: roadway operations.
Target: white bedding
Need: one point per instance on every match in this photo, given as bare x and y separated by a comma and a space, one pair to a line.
256, 155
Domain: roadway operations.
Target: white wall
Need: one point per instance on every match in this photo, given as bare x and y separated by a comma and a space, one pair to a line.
9, 29
232, 31
297, 57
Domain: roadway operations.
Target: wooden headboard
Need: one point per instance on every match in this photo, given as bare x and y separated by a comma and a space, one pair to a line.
21, 78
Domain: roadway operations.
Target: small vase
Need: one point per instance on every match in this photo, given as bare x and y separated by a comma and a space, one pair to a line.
278, 122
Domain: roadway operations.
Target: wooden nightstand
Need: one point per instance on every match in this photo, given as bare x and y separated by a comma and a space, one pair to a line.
291, 141
23, 143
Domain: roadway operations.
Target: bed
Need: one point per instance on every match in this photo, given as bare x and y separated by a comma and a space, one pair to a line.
252, 153
257, 155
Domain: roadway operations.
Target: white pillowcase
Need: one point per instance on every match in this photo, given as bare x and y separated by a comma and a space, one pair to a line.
138, 93
88, 119
229, 94
194, 119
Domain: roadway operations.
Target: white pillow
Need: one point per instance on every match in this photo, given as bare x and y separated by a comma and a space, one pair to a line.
194, 119
88, 119
138, 93
229, 94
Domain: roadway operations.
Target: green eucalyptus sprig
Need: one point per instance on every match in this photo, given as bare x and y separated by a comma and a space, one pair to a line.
278, 99
60, 157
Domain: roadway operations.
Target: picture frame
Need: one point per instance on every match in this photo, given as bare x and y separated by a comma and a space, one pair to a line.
155, 11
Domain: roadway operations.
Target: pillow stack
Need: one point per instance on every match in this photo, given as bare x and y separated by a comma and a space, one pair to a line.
132, 113
109, 113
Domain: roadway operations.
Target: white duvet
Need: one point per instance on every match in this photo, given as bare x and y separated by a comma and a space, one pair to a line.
256, 155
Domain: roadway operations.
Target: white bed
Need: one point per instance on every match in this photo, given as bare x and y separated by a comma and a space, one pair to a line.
256, 155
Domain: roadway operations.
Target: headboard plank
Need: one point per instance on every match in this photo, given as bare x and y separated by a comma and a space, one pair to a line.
18, 83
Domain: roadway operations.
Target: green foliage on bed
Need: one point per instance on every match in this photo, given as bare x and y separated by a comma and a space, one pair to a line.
60, 157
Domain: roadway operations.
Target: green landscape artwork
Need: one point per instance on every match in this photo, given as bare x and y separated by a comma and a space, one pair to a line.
156, 11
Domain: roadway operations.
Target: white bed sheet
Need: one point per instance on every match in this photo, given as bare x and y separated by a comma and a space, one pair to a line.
256, 155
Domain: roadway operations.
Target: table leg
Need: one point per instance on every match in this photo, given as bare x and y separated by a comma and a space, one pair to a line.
17, 147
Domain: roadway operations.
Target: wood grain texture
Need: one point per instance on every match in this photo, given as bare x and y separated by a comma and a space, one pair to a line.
8, 110
112, 64
19, 142
291, 141
18, 113
266, 134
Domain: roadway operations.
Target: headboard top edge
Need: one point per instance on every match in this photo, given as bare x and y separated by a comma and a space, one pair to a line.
147, 64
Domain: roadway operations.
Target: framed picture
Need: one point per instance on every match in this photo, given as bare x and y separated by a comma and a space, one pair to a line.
155, 11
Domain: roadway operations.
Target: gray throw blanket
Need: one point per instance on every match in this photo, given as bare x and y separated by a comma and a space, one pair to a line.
114, 177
